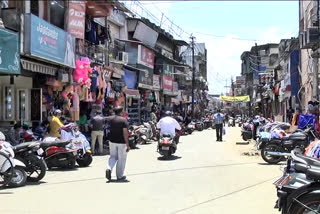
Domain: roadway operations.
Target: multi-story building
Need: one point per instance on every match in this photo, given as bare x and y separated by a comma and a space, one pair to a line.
309, 45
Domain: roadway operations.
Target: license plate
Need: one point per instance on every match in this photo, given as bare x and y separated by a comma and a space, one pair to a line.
165, 148
131, 138
40, 151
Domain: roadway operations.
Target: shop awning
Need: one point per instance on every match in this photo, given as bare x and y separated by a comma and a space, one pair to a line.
38, 67
175, 101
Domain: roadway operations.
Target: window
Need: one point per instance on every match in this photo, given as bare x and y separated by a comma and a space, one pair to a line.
57, 11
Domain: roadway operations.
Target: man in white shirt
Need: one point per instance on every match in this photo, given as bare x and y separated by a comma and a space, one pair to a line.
168, 125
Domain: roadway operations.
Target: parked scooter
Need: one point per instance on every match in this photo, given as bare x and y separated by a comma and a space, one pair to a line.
29, 153
13, 169
298, 188
199, 125
79, 143
166, 145
231, 122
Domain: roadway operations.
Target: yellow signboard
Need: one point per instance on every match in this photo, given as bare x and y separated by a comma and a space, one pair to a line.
235, 98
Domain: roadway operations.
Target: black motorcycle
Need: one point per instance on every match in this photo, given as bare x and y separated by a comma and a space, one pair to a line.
276, 150
298, 188
29, 153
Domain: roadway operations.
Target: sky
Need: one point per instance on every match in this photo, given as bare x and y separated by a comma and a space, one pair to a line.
228, 28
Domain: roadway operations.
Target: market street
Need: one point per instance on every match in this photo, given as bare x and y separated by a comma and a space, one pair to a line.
204, 177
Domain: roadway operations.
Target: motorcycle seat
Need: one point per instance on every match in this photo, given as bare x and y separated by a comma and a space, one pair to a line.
26, 145
298, 136
285, 138
313, 174
54, 143
166, 135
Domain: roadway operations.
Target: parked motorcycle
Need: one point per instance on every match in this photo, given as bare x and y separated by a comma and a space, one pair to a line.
277, 149
166, 145
79, 143
29, 153
231, 122
11, 168
207, 123
132, 138
199, 125
57, 155
298, 188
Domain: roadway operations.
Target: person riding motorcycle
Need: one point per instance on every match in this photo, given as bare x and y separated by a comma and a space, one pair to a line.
168, 125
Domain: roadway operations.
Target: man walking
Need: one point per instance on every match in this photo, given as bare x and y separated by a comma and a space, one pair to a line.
119, 144
97, 125
219, 124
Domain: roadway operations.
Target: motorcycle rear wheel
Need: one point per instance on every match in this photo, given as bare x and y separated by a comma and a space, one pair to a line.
268, 158
85, 161
310, 200
36, 169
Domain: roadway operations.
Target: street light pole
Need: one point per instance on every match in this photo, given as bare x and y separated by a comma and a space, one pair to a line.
193, 76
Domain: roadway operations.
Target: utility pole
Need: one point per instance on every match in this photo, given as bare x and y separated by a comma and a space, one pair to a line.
193, 75
259, 88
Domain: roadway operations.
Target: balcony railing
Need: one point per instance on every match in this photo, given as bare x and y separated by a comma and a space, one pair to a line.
96, 53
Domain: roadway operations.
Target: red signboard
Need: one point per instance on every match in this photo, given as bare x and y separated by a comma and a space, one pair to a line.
77, 18
145, 56
167, 83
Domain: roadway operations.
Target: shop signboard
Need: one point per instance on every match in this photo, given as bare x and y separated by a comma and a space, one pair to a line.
77, 18
9, 52
130, 78
240, 80
167, 84
146, 79
156, 82
145, 56
46, 41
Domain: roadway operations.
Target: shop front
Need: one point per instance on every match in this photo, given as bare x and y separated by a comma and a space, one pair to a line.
49, 58
10, 85
132, 96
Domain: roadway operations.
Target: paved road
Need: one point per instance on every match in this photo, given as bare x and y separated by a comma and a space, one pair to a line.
204, 177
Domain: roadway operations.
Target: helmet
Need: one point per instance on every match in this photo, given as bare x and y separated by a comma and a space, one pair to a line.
57, 111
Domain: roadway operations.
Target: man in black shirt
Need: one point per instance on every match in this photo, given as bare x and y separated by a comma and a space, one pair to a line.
119, 144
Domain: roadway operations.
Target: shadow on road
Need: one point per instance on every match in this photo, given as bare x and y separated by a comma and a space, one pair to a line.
117, 181
63, 169
36, 183
268, 164
172, 157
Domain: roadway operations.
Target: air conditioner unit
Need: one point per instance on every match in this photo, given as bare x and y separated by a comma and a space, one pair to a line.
123, 57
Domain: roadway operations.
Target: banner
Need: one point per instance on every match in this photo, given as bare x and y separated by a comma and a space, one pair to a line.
145, 56
77, 18
46, 41
9, 52
130, 78
235, 98
146, 79
167, 84
156, 82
